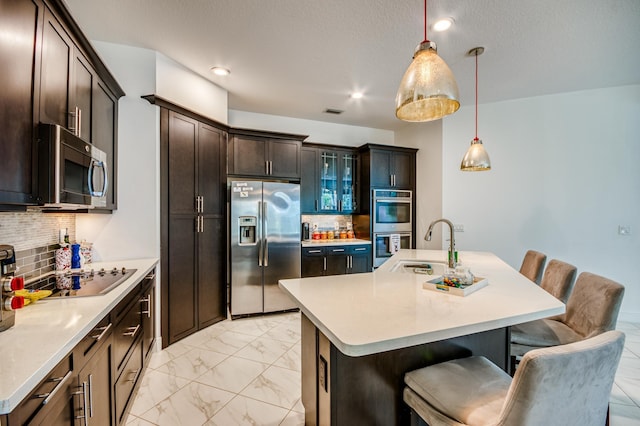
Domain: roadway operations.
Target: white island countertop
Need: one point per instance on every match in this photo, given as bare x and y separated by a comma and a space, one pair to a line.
47, 330
374, 312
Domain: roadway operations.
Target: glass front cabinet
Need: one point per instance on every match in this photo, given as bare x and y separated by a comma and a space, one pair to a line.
338, 186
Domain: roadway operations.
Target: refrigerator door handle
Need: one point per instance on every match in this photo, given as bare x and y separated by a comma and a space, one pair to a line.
265, 233
260, 249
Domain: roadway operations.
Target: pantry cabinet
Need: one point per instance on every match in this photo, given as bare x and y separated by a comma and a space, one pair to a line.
193, 232
50, 73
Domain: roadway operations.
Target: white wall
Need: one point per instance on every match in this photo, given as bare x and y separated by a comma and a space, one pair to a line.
564, 177
183, 87
427, 137
132, 231
318, 131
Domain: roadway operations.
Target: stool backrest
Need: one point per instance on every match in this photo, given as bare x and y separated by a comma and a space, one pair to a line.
558, 279
564, 385
532, 265
593, 305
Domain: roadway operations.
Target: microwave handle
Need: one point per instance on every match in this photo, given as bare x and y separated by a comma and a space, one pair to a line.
105, 184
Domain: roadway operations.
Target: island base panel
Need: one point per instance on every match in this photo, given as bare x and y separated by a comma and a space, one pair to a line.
368, 389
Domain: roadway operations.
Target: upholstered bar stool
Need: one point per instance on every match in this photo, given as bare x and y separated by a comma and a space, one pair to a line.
562, 385
558, 279
532, 265
592, 309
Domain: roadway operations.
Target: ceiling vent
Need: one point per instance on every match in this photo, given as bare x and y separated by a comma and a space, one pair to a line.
333, 111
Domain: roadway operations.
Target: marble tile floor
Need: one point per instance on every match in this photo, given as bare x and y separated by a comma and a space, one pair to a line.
247, 372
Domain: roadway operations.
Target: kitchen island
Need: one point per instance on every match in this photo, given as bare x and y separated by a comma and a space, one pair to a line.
46, 331
362, 332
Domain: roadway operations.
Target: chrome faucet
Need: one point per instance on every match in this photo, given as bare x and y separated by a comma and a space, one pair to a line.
452, 241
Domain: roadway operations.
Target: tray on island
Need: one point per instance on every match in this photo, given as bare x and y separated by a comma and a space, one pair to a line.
438, 284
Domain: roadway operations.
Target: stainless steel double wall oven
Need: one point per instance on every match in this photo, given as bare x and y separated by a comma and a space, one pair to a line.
391, 215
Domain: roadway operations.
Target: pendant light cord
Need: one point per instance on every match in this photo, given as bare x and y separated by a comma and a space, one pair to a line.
425, 21
476, 138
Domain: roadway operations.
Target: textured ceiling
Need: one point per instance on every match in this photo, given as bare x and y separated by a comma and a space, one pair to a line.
298, 57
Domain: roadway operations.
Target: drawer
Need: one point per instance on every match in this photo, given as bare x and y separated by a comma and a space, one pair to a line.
359, 249
92, 341
313, 251
126, 332
131, 371
55, 385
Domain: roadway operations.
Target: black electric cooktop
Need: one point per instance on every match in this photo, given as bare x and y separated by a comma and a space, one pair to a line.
81, 283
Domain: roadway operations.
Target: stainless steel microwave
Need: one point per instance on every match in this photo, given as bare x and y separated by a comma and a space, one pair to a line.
72, 174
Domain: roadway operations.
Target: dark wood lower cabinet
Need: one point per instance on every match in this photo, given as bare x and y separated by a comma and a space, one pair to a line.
335, 260
341, 390
96, 383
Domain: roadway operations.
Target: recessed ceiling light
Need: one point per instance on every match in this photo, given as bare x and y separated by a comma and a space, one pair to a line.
220, 71
357, 95
443, 24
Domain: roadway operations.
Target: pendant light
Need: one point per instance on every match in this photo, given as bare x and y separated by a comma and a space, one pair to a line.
428, 91
476, 159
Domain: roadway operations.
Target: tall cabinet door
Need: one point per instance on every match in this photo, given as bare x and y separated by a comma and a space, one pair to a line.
19, 80
211, 238
180, 302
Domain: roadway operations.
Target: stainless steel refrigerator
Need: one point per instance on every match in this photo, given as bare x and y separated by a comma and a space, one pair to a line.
264, 246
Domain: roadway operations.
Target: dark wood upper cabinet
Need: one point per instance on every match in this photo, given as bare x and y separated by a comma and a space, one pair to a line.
264, 154
49, 73
309, 182
20, 80
391, 168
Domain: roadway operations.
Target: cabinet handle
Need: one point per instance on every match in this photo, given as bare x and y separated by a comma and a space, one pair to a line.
103, 331
151, 276
147, 300
339, 205
316, 205
337, 250
266, 167
132, 331
83, 392
79, 118
135, 375
201, 223
90, 395
270, 167
324, 263
314, 251
47, 396
360, 249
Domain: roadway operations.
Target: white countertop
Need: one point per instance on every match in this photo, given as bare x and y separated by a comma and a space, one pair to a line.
368, 313
334, 242
47, 330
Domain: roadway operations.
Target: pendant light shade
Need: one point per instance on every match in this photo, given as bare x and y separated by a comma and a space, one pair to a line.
476, 159
428, 91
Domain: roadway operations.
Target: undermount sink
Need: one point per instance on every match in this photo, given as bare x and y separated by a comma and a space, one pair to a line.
426, 267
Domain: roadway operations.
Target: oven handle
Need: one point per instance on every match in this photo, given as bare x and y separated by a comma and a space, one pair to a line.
393, 200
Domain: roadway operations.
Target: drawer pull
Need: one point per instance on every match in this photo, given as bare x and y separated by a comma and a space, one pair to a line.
133, 373
85, 412
103, 331
337, 250
314, 251
150, 276
360, 249
146, 300
132, 331
61, 380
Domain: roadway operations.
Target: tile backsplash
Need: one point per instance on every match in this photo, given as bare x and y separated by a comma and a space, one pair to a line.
35, 235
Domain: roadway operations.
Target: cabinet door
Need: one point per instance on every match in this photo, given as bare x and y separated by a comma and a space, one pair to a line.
284, 156
19, 79
211, 169
96, 379
104, 114
57, 51
403, 168
182, 296
182, 170
81, 95
309, 165
211, 272
348, 182
249, 156
380, 169
329, 181
336, 261
313, 262
360, 259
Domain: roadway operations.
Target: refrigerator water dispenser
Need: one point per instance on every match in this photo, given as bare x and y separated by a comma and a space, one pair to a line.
247, 234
